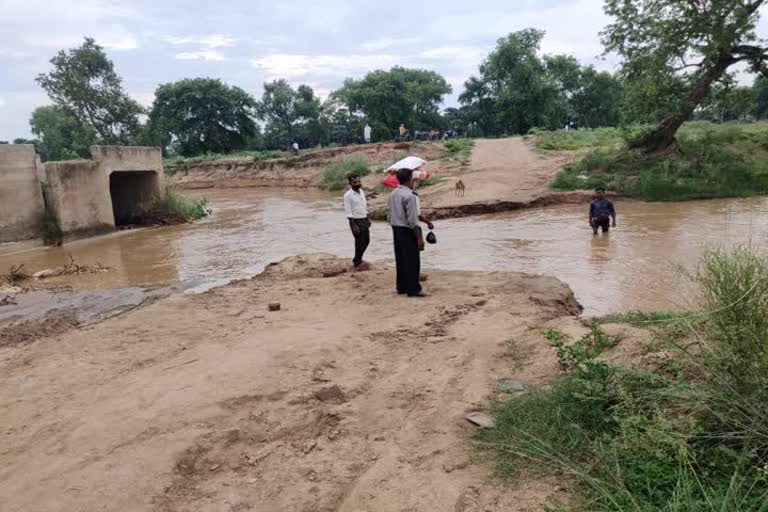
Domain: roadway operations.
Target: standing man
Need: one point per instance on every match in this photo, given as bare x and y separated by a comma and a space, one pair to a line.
367, 134
402, 132
406, 232
601, 211
356, 210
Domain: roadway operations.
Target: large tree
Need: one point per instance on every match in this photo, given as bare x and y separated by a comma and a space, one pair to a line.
399, 96
689, 43
291, 114
517, 90
202, 115
60, 134
83, 81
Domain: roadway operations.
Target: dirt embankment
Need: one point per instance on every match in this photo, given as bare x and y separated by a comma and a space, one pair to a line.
301, 171
349, 398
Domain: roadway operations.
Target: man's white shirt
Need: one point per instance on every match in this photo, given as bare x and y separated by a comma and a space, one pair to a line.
355, 205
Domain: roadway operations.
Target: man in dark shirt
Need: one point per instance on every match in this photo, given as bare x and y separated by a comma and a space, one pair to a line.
601, 212
406, 234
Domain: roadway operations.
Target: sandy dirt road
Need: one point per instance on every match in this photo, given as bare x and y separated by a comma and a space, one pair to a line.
506, 170
349, 399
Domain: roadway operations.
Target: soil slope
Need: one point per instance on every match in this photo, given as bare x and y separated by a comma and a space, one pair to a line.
350, 398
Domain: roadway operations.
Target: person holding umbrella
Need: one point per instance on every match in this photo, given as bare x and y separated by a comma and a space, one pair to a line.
406, 233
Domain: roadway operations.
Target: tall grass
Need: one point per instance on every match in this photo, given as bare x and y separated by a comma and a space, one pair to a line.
715, 161
52, 234
335, 176
566, 140
174, 208
637, 440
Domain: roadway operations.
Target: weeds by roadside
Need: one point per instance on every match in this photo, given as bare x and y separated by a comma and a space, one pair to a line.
431, 181
636, 439
568, 140
335, 176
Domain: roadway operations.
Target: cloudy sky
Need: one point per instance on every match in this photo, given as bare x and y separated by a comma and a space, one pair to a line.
246, 42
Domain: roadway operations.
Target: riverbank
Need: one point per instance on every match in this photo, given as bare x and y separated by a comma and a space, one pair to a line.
709, 161
335, 402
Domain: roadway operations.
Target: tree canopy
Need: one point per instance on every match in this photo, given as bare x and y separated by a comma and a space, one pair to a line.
60, 134
674, 51
201, 115
83, 81
292, 115
387, 99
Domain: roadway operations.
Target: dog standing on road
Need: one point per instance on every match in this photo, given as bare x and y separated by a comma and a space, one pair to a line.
459, 189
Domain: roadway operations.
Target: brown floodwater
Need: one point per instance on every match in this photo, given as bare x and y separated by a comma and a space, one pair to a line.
640, 265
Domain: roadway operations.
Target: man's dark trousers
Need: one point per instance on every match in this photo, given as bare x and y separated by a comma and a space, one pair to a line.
362, 239
407, 260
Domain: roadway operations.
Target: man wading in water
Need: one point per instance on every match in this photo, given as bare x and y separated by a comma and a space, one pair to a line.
356, 210
601, 211
406, 232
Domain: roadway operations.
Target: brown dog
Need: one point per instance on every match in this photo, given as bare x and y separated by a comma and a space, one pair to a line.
459, 189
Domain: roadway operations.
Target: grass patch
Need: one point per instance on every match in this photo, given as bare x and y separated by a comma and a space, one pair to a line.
174, 208
335, 176
257, 156
641, 319
459, 146
636, 439
726, 160
569, 140
431, 181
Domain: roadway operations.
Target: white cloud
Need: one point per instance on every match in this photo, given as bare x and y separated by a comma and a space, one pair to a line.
2, 102
144, 98
378, 45
461, 53
283, 65
210, 41
208, 55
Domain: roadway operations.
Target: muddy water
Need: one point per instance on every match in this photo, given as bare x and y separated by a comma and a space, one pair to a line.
636, 266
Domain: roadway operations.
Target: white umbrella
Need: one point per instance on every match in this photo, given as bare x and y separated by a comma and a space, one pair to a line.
409, 162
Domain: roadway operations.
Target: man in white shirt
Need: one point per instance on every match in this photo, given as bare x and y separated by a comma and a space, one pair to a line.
356, 210
367, 133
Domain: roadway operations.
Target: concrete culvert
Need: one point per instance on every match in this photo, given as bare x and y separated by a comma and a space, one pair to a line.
132, 192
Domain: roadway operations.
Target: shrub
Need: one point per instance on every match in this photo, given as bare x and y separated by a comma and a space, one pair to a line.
456, 146
335, 176
639, 441
174, 208
52, 234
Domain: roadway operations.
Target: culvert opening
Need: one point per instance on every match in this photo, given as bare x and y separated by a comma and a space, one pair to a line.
133, 193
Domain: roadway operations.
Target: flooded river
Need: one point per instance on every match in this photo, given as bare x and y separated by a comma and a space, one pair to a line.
637, 266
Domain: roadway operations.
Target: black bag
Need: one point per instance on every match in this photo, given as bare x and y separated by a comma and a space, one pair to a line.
431, 238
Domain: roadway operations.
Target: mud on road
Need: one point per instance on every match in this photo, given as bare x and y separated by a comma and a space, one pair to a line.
350, 398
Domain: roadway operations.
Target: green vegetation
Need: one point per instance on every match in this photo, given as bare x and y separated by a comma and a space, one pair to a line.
727, 160
635, 438
335, 176
642, 319
52, 234
430, 181
459, 146
257, 156
568, 140
174, 208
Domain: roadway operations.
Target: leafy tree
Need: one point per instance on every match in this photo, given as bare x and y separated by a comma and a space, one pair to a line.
596, 101
514, 84
60, 134
399, 96
202, 115
683, 46
760, 97
83, 81
291, 114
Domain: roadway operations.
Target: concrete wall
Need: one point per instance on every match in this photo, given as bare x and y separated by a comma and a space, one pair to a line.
79, 195
79, 191
21, 199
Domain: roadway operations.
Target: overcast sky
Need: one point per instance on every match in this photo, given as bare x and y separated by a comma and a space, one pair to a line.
246, 42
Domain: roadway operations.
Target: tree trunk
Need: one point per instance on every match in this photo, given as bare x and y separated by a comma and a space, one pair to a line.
663, 137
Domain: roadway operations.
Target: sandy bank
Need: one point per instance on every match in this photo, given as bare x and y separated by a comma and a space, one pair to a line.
350, 398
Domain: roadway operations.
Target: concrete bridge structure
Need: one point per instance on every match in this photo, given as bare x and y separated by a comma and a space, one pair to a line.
87, 197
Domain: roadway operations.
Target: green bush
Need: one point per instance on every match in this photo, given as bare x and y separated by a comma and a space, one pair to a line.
567, 140
335, 176
52, 234
174, 208
637, 440
456, 146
